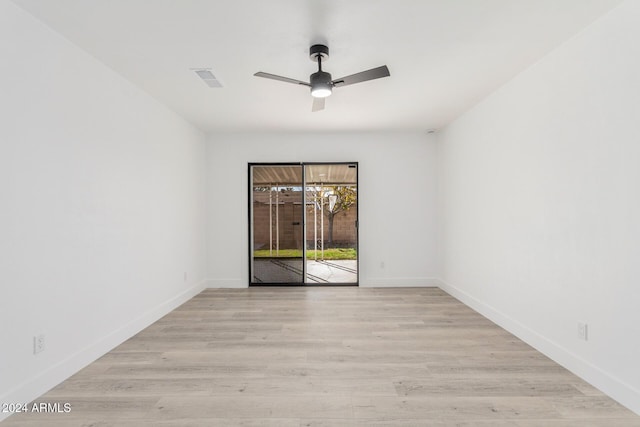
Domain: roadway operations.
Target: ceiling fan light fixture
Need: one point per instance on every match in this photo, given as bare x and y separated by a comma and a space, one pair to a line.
321, 90
321, 85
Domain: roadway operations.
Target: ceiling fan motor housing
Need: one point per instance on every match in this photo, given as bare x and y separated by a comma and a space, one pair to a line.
321, 85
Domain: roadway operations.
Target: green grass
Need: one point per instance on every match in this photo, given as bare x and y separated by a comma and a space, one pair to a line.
329, 254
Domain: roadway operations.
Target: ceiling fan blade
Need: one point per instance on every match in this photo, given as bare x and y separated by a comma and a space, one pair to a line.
318, 104
363, 76
280, 78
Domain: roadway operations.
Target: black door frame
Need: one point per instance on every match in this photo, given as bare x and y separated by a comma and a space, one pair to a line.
304, 222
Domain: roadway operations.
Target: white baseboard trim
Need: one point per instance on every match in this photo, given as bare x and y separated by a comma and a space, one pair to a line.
34, 387
390, 282
400, 282
617, 389
225, 283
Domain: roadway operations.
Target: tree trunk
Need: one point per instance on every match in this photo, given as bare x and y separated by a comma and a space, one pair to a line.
331, 215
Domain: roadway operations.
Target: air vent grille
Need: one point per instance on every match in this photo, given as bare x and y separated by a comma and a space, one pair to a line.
207, 76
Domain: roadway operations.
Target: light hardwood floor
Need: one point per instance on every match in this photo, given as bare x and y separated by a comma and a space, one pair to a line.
339, 356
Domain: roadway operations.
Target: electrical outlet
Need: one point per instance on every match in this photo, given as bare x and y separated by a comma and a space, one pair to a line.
38, 344
583, 331
382, 265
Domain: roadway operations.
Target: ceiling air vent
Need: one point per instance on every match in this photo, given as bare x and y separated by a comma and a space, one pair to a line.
207, 76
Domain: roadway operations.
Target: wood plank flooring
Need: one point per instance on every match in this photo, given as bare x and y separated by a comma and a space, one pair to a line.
326, 357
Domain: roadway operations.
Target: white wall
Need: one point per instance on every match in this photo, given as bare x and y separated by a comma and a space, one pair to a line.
396, 169
102, 207
541, 204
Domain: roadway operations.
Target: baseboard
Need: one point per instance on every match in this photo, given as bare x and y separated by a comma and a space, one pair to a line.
617, 389
400, 282
225, 283
43, 382
390, 282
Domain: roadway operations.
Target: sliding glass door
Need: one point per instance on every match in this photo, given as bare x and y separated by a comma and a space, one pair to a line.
331, 192
277, 210
303, 224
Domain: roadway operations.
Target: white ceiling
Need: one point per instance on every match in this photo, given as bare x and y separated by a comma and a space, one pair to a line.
444, 55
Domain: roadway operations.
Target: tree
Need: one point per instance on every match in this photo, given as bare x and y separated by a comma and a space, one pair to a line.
345, 197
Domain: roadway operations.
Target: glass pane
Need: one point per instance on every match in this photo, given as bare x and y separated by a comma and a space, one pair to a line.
277, 224
332, 234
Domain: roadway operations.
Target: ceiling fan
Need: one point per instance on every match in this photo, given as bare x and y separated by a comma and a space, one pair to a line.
321, 83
